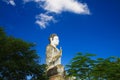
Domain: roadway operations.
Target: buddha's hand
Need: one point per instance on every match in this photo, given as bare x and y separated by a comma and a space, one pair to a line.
61, 50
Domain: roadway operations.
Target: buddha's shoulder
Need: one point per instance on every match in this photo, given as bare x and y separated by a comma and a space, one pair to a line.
49, 46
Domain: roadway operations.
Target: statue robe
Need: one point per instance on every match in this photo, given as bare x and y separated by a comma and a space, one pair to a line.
53, 57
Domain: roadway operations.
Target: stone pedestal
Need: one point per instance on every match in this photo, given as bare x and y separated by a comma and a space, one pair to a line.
56, 73
56, 77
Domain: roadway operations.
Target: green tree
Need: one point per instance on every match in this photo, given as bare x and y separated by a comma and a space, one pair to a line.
81, 66
107, 69
98, 70
85, 68
18, 59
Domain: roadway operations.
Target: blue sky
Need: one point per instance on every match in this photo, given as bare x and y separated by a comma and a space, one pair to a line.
89, 26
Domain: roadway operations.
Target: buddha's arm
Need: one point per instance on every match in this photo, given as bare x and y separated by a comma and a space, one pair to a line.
50, 55
58, 55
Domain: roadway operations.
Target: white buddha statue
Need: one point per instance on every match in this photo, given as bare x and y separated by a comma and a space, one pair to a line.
53, 54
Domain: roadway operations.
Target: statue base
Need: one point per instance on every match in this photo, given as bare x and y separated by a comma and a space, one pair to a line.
56, 73
56, 77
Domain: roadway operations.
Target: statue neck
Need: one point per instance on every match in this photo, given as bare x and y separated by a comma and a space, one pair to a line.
53, 45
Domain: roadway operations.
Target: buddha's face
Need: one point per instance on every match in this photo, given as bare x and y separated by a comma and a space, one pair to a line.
55, 40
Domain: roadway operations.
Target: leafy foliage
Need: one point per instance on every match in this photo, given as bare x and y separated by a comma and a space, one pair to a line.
81, 66
107, 69
18, 59
85, 68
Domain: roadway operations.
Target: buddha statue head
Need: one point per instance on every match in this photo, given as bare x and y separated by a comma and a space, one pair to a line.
54, 40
